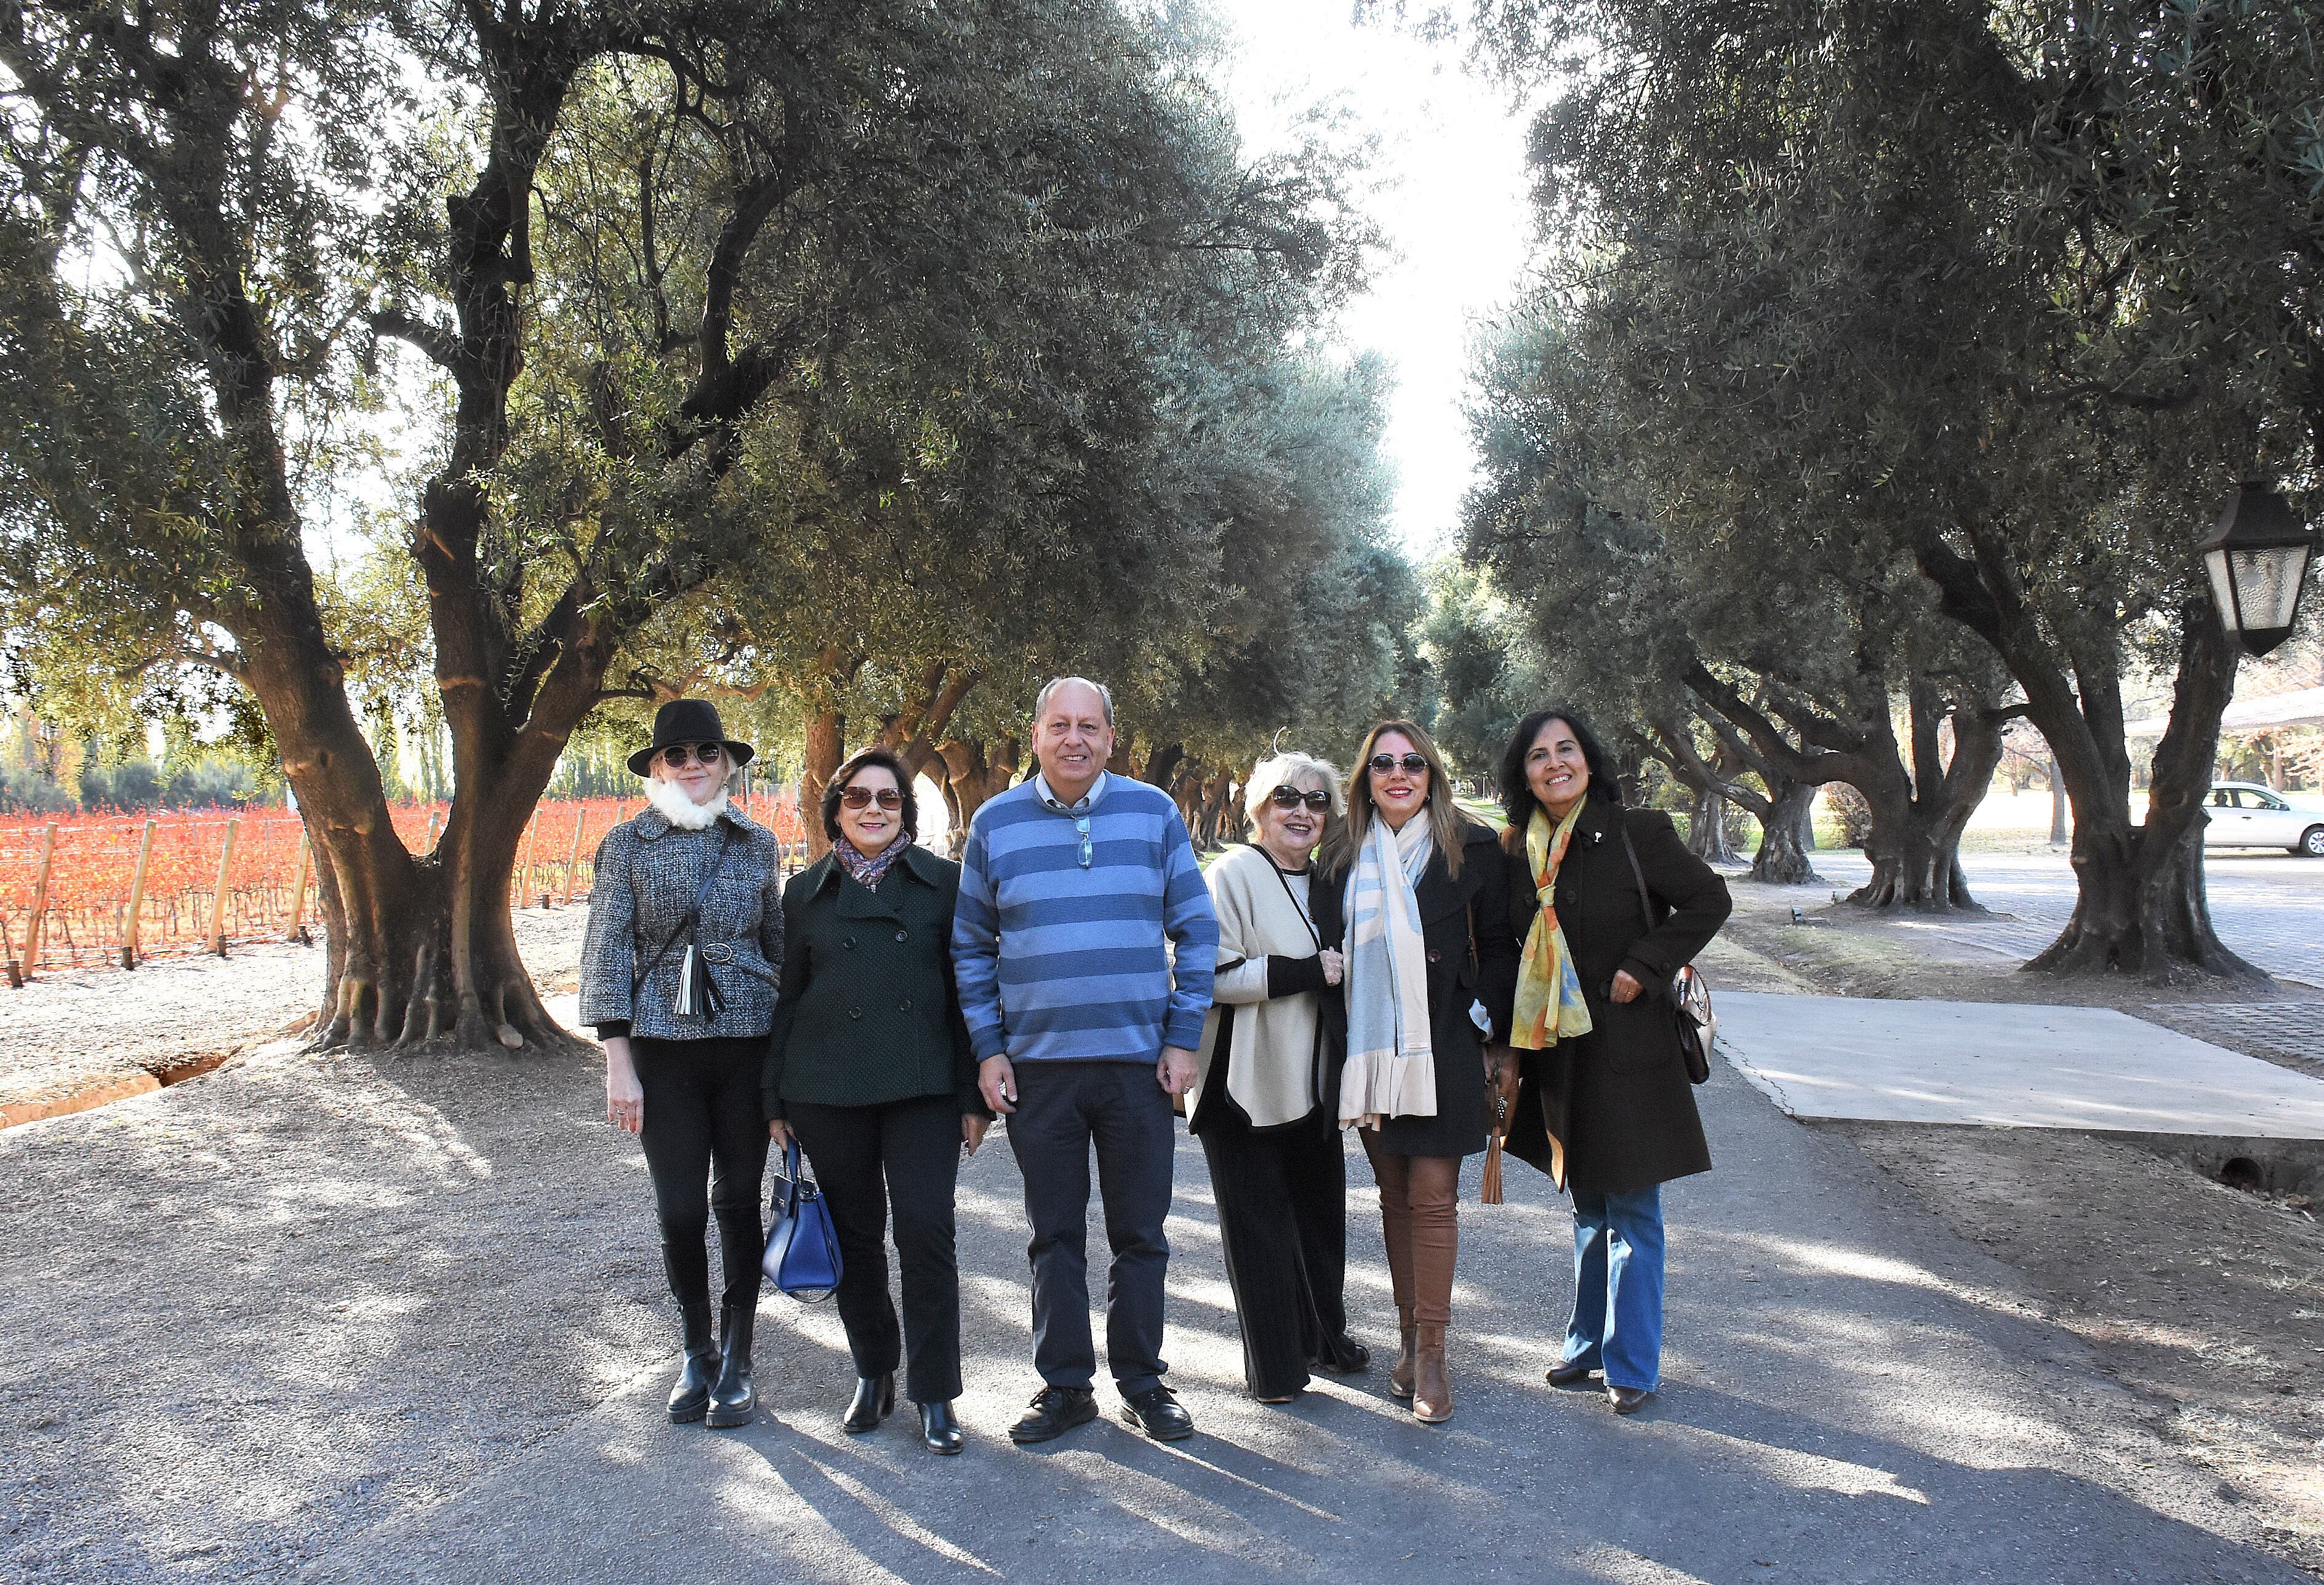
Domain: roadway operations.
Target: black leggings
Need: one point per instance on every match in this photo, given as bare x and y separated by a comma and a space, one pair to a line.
705, 1141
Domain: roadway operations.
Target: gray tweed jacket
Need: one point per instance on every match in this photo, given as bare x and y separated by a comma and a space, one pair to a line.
647, 872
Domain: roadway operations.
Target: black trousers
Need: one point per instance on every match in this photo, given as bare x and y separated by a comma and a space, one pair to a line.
1282, 1195
705, 1142
1062, 1109
915, 1145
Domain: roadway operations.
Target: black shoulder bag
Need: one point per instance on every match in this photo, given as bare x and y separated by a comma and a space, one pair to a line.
1689, 992
698, 996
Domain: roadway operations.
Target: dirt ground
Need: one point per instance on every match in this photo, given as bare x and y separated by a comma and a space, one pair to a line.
2207, 1302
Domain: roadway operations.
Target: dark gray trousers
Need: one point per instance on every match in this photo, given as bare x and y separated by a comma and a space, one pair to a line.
1063, 1109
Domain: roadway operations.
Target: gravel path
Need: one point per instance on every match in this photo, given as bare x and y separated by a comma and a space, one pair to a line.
66, 1034
368, 1319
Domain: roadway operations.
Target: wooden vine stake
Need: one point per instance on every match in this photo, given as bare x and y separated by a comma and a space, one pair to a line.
531, 846
136, 899
573, 859
40, 900
217, 902
298, 931
8, 949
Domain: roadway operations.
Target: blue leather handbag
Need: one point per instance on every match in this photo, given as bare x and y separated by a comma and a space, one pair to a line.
802, 1256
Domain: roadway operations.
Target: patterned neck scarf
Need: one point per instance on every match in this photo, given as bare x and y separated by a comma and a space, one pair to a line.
1549, 1005
869, 871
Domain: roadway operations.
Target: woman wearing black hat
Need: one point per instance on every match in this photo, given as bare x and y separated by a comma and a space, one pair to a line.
678, 972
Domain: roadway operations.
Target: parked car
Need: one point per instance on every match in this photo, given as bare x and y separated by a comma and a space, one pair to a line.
2245, 815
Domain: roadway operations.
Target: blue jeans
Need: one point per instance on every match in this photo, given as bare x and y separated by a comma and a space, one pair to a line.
1617, 1324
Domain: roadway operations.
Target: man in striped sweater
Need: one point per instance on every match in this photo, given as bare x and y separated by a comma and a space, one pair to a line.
1075, 888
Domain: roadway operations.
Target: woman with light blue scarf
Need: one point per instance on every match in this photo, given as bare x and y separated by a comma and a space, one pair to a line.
1414, 889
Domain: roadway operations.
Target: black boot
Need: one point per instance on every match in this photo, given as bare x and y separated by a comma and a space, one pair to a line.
938, 1429
875, 1400
691, 1395
734, 1401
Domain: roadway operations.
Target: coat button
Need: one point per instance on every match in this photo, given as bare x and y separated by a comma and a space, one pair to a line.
1436, 956
848, 942
904, 1006
899, 936
854, 1013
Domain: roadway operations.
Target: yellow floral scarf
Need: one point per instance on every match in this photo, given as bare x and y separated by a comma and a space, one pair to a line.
1549, 1005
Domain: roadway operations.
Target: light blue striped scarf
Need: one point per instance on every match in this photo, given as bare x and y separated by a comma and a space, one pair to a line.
1392, 1069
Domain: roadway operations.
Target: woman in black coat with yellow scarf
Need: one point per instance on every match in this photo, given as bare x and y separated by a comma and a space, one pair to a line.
1605, 1107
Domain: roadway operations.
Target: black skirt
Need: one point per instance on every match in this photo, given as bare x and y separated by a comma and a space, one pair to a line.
1458, 1128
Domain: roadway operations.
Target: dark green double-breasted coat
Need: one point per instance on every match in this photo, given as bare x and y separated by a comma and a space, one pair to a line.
867, 1012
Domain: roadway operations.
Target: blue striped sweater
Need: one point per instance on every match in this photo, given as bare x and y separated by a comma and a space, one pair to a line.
1058, 962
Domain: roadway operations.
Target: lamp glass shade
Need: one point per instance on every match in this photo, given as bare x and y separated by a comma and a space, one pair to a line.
2258, 561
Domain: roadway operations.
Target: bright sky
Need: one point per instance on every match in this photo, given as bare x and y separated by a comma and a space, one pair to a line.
1452, 158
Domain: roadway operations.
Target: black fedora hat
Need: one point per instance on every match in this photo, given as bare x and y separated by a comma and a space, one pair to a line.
687, 721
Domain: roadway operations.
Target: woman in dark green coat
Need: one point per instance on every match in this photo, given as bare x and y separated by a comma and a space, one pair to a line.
869, 1064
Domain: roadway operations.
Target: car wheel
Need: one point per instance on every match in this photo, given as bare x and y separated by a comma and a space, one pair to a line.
2311, 843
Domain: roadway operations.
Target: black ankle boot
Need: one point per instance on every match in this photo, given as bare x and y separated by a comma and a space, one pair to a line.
875, 1400
938, 1429
691, 1395
734, 1401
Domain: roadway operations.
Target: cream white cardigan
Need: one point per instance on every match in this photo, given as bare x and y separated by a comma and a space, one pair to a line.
1271, 1071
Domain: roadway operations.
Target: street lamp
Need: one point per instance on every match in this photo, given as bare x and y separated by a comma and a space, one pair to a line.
2258, 559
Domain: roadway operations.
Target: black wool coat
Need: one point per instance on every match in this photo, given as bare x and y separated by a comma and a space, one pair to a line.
1472, 958
1612, 1112
867, 1012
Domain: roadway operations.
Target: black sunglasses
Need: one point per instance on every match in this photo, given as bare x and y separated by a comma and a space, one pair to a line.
1413, 764
1290, 797
860, 798
679, 756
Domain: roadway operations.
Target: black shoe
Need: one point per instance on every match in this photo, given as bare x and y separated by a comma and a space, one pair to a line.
1570, 1373
875, 1400
1343, 1355
691, 1395
734, 1401
1158, 1412
1053, 1411
939, 1429
1628, 1400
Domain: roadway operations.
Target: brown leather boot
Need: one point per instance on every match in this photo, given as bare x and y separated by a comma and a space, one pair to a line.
1432, 1388
1436, 1235
1393, 1175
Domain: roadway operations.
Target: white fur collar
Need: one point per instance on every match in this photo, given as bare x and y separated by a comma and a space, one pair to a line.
670, 802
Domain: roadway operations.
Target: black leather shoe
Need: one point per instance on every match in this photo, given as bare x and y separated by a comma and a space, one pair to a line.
938, 1429
1571, 1373
1343, 1355
1053, 1411
734, 1401
1628, 1400
1158, 1412
875, 1400
691, 1395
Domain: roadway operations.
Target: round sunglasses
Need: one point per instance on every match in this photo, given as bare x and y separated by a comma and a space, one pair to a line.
679, 756
1413, 764
1291, 797
860, 798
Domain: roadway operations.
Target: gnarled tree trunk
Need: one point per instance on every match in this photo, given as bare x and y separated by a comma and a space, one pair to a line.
1706, 828
1782, 858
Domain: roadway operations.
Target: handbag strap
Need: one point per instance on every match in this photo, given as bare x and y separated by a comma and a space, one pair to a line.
1645, 903
693, 919
787, 1193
